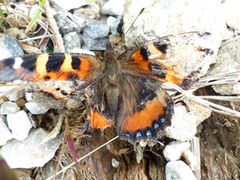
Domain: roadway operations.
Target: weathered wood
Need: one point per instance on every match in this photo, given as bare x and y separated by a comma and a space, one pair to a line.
220, 145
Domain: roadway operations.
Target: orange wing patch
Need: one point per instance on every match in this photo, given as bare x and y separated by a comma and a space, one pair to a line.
65, 71
147, 60
98, 120
172, 76
144, 118
138, 59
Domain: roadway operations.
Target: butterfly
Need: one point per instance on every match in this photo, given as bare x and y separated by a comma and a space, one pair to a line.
122, 91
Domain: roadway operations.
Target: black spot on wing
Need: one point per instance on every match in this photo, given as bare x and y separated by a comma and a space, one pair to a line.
76, 63
144, 52
29, 62
72, 77
46, 78
55, 62
145, 94
161, 47
7, 63
158, 70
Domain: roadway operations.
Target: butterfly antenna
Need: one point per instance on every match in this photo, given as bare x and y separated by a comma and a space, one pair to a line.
77, 25
134, 21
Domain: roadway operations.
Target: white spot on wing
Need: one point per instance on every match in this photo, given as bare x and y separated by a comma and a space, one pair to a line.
18, 62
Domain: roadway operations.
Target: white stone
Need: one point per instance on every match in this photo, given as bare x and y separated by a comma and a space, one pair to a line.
174, 150
28, 97
36, 108
5, 133
19, 124
178, 170
8, 90
161, 18
9, 107
183, 125
78, 50
113, 7
30, 152
231, 13
110, 21
70, 4
189, 158
15, 95
115, 163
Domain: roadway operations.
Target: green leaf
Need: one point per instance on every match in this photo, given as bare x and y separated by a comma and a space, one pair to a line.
90, 1
34, 20
37, 15
42, 3
1, 14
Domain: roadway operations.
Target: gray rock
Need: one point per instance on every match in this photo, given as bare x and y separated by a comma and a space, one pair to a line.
9, 47
227, 61
178, 170
67, 22
95, 35
88, 12
30, 152
71, 41
116, 27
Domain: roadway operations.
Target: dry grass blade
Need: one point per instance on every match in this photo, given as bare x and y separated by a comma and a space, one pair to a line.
224, 78
215, 107
222, 98
70, 165
53, 25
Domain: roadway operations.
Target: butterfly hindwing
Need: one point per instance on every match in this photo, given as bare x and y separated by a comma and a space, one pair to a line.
152, 113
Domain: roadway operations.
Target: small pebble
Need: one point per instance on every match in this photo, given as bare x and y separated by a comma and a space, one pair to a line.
19, 124
178, 170
174, 150
9, 107
5, 133
35, 108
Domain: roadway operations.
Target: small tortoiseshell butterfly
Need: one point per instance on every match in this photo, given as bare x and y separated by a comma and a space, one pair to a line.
123, 91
